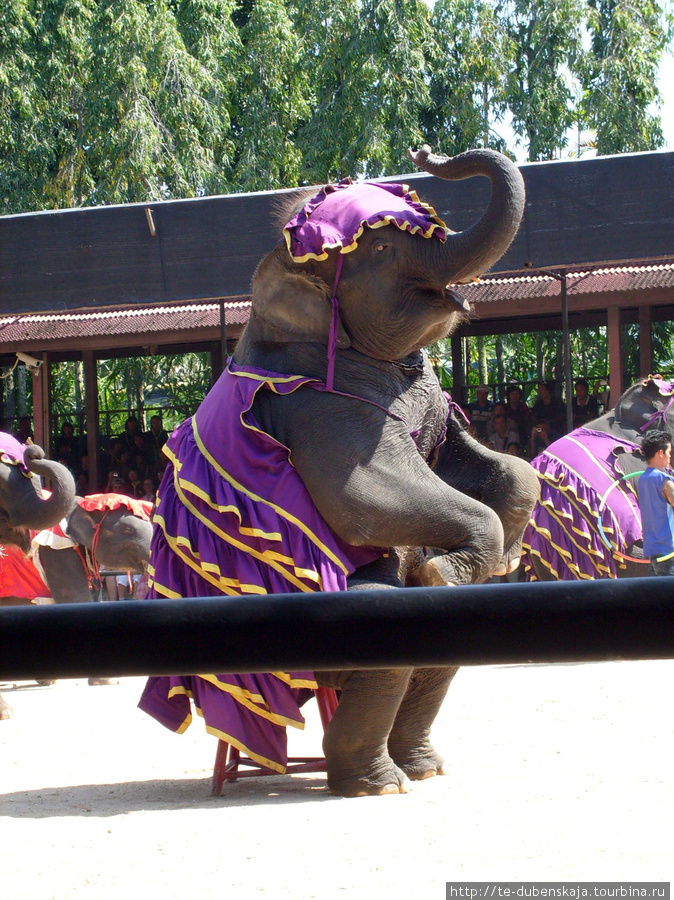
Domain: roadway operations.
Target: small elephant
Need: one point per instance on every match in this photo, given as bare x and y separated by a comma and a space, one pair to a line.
327, 457
581, 485
112, 530
25, 507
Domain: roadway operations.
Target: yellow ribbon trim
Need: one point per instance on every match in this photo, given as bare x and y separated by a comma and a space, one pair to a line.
257, 499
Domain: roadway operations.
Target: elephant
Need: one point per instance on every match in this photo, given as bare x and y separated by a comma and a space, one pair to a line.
113, 530
109, 530
580, 473
23, 505
327, 457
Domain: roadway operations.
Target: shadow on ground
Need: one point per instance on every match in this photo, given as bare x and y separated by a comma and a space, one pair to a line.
98, 800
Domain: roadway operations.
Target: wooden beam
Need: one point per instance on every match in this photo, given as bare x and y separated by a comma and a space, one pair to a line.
582, 212
615, 367
41, 417
91, 407
457, 369
645, 342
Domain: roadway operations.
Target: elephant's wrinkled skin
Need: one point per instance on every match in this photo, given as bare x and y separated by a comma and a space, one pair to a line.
123, 544
642, 408
22, 505
360, 465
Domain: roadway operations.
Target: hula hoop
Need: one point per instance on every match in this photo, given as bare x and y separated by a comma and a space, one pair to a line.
615, 551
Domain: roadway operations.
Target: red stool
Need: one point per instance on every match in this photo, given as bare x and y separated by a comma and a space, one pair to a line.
229, 758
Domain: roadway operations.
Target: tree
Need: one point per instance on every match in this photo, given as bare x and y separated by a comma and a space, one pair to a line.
545, 39
468, 64
273, 100
619, 73
18, 98
158, 128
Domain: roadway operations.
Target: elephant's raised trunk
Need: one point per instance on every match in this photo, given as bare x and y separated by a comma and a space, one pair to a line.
468, 254
36, 512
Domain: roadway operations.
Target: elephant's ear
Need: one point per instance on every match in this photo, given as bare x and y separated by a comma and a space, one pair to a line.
81, 525
295, 303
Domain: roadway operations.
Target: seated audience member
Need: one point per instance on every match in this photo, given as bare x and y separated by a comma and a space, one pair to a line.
519, 412
155, 439
66, 447
130, 431
500, 410
502, 436
481, 410
550, 409
149, 490
585, 406
117, 485
541, 438
24, 432
514, 449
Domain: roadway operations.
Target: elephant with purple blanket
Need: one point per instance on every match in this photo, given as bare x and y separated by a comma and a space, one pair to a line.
584, 492
327, 457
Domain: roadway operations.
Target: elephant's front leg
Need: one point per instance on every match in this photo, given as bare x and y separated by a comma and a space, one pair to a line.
409, 743
355, 742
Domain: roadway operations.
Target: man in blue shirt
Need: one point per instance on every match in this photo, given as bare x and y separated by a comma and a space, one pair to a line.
656, 501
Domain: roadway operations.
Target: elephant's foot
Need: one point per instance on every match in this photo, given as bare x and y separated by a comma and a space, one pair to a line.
46, 682
6, 711
102, 681
376, 779
418, 763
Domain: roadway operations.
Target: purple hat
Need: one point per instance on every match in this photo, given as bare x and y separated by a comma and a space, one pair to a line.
337, 215
336, 218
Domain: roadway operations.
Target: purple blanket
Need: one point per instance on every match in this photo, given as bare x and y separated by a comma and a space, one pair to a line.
575, 472
234, 517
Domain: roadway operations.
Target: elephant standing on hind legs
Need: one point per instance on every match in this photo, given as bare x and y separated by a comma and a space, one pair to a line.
326, 457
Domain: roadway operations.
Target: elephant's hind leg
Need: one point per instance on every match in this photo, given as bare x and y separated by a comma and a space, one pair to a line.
409, 743
355, 741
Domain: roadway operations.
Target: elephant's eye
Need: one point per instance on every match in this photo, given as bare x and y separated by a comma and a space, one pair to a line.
379, 248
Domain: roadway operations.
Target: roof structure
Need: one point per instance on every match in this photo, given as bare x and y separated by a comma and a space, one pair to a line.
138, 326
621, 279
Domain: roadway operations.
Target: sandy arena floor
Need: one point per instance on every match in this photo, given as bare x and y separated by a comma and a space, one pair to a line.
557, 773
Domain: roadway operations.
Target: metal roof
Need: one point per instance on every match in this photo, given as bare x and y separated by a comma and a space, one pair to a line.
42, 328
624, 279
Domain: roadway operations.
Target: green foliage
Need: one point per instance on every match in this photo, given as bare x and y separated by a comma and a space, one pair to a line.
545, 39
619, 73
109, 101
174, 384
468, 64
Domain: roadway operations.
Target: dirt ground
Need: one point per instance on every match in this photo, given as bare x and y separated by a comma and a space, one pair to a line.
557, 773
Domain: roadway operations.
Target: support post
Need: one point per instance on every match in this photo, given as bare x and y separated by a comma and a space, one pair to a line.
42, 405
91, 407
615, 362
645, 342
223, 335
566, 343
456, 343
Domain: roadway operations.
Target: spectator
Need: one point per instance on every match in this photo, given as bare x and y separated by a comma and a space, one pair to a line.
514, 449
502, 435
66, 447
550, 409
519, 412
130, 430
540, 439
149, 490
500, 410
585, 406
655, 489
155, 439
481, 410
117, 484
24, 432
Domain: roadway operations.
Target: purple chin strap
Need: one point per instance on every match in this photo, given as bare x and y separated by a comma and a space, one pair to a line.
660, 414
